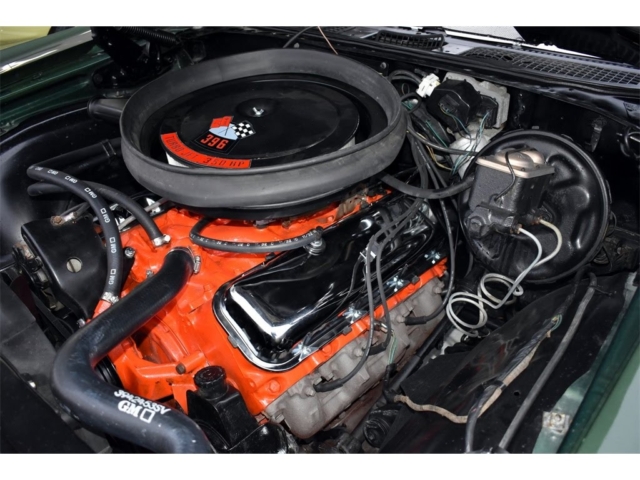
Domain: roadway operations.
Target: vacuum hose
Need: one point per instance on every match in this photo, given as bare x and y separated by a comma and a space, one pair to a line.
249, 247
427, 193
115, 254
112, 410
113, 195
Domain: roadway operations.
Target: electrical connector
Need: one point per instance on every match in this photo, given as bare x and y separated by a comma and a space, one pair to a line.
427, 85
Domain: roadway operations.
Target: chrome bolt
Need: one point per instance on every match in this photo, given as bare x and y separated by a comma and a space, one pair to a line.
352, 313
129, 252
258, 111
396, 283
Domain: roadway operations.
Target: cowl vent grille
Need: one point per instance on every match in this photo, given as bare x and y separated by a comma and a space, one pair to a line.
420, 42
560, 65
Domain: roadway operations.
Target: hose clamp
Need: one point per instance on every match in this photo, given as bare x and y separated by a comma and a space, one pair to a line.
110, 297
316, 247
159, 241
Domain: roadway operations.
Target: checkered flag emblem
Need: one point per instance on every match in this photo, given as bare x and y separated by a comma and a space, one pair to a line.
243, 129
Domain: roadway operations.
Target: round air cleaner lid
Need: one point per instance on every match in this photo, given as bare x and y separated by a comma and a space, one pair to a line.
257, 122
260, 130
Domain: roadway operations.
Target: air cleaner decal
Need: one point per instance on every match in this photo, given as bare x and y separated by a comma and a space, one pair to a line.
223, 134
174, 145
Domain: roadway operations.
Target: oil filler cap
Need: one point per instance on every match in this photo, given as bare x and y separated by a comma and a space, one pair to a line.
211, 382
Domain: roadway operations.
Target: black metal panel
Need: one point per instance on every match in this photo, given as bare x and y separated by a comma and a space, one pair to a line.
24, 344
560, 65
34, 141
27, 423
431, 433
73, 256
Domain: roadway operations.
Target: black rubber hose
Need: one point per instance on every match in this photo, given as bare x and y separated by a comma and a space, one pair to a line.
113, 195
42, 188
112, 410
436, 146
498, 383
90, 164
399, 74
115, 254
435, 173
442, 328
107, 149
297, 36
474, 414
513, 177
551, 366
367, 351
383, 298
338, 383
424, 181
438, 333
415, 96
248, 247
116, 196
164, 38
430, 164
428, 194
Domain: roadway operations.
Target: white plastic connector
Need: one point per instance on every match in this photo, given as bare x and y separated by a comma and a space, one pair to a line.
428, 85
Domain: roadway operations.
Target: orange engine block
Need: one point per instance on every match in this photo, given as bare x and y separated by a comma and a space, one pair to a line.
159, 361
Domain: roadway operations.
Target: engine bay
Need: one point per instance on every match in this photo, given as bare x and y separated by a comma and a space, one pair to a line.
251, 243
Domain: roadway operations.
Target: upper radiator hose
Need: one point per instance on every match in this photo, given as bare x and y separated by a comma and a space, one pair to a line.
113, 410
